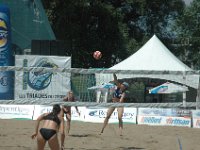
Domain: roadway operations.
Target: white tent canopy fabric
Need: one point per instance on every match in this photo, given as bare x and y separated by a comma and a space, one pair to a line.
153, 56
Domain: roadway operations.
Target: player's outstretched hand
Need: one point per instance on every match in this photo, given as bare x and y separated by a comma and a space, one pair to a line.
34, 135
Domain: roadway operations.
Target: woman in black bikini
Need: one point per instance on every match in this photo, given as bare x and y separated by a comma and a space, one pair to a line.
118, 97
52, 123
67, 109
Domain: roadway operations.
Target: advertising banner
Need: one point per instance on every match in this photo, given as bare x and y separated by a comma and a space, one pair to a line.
196, 118
164, 121
6, 55
164, 116
41, 85
151, 120
40, 109
173, 112
178, 121
97, 115
75, 115
16, 111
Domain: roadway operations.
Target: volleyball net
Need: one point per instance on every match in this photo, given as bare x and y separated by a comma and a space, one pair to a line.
95, 87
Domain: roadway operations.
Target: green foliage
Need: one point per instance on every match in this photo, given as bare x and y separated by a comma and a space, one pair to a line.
187, 28
119, 28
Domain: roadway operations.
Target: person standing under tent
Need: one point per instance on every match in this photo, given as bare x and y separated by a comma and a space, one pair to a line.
67, 109
53, 122
118, 97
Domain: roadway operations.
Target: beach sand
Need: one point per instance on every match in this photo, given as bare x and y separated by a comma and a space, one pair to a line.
15, 135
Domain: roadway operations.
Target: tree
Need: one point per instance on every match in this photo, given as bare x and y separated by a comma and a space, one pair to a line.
187, 28
118, 28
89, 25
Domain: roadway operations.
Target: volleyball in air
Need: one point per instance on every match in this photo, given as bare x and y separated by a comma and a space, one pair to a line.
97, 55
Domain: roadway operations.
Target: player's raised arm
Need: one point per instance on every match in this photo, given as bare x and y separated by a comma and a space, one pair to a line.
115, 79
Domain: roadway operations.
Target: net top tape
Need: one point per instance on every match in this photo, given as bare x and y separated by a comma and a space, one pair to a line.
97, 70
95, 104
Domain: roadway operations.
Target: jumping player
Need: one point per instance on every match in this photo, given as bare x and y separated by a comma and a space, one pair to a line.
118, 97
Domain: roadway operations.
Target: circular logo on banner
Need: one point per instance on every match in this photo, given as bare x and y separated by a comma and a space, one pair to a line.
39, 80
3, 33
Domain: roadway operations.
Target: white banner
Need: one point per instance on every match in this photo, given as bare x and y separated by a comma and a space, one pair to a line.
150, 120
40, 109
41, 85
164, 116
196, 118
16, 111
164, 121
173, 112
75, 115
97, 115
178, 121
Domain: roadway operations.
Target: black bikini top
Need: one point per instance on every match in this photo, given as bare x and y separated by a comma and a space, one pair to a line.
52, 117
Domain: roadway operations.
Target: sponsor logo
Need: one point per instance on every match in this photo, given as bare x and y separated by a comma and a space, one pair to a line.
176, 121
102, 114
39, 80
14, 110
99, 113
157, 112
151, 120
3, 33
4, 81
93, 113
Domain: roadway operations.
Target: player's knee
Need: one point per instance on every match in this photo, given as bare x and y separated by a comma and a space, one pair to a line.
108, 117
62, 134
120, 118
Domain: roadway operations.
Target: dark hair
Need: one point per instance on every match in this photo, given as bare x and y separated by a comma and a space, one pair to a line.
56, 109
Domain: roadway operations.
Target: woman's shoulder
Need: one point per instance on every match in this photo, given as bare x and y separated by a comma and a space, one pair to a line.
65, 98
46, 114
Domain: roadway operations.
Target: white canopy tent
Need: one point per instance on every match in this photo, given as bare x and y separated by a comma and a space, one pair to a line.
153, 57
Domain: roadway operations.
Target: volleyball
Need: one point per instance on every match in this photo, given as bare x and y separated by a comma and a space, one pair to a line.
97, 55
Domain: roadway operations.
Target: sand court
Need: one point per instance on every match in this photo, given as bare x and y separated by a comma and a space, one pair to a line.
15, 135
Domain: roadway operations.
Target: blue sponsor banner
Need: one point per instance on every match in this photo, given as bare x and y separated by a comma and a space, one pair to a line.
6, 55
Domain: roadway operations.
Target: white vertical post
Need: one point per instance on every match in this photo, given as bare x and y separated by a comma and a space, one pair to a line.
98, 96
106, 96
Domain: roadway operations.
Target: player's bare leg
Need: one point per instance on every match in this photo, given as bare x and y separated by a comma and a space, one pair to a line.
109, 113
120, 115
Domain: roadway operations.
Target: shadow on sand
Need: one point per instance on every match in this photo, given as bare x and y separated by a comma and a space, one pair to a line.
131, 148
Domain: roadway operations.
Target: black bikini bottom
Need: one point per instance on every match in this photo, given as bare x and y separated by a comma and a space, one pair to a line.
47, 133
